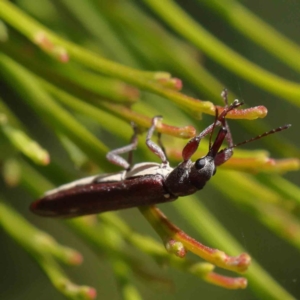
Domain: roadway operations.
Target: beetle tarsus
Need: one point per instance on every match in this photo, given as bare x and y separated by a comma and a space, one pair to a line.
114, 155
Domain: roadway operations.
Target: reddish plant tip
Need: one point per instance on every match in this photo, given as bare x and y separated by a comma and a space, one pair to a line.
11, 181
187, 131
43, 41
131, 93
76, 259
61, 54
46, 159
91, 293
227, 282
242, 261
183, 132
177, 84
262, 110
176, 247
171, 83
242, 282
251, 113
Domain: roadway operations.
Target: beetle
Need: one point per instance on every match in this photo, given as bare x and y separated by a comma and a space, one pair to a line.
144, 183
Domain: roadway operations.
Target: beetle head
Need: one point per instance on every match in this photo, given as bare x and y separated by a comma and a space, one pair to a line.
204, 168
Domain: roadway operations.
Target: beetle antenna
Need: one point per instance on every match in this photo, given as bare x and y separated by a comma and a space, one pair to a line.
281, 128
213, 128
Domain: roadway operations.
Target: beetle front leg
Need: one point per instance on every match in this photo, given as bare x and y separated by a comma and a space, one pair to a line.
192, 146
156, 149
224, 155
229, 139
114, 155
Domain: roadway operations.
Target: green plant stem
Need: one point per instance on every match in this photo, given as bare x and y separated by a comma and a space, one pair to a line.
282, 186
162, 45
42, 248
98, 27
73, 78
157, 252
48, 41
31, 92
22, 142
185, 63
108, 121
30, 28
124, 280
191, 30
259, 280
271, 209
256, 29
170, 233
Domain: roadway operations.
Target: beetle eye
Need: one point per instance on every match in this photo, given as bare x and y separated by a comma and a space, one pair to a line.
200, 163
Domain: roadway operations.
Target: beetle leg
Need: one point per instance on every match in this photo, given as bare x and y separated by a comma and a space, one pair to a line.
134, 141
192, 146
229, 139
223, 156
156, 148
224, 95
114, 155
160, 144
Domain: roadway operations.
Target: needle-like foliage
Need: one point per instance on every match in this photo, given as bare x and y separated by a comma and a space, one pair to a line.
75, 74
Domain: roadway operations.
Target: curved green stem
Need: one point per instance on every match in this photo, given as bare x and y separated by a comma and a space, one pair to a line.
259, 31
193, 31
31, 92
65, 50
203, 222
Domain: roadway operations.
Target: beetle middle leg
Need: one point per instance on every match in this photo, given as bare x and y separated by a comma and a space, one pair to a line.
114, 155
157, 149
160, 144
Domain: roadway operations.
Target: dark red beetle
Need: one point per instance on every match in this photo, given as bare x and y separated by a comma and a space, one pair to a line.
144, 183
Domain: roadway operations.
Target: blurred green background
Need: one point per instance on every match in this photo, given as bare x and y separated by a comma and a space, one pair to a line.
21, 278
